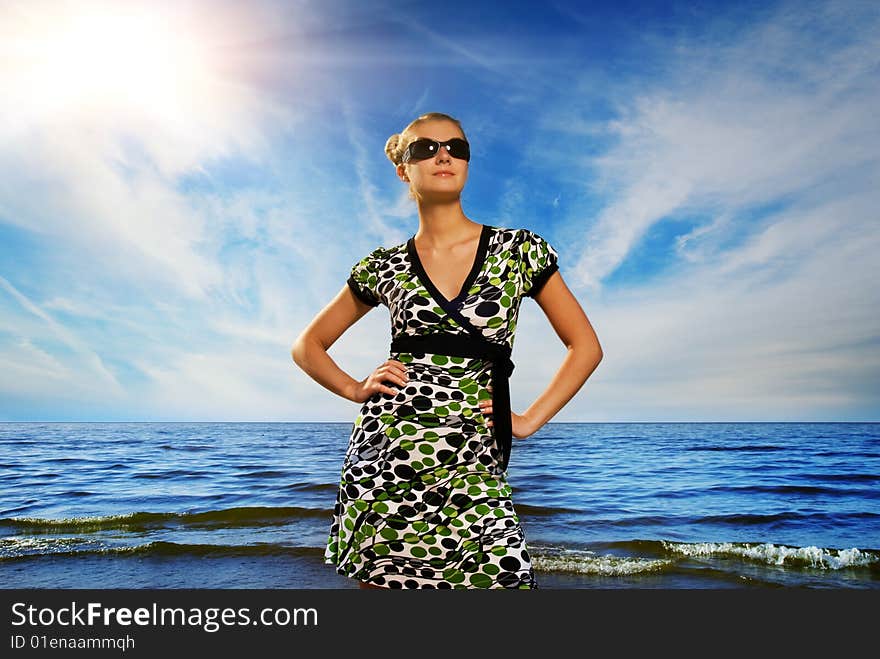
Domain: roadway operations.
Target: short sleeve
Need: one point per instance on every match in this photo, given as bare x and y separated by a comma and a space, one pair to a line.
364, 280
539, 261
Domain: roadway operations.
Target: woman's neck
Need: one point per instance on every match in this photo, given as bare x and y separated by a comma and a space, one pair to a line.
444, 225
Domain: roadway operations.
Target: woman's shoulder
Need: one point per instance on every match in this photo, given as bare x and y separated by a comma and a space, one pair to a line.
514, 235
508, 234
381, 255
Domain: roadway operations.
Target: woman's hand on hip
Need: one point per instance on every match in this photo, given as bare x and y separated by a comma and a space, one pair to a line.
521, 426
390, 371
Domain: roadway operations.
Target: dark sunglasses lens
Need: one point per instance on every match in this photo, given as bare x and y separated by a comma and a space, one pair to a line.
422, 149
459, 149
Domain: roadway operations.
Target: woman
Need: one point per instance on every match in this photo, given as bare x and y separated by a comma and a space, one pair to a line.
423, 500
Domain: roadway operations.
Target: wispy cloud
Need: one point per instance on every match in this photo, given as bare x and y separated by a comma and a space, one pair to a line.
30, 362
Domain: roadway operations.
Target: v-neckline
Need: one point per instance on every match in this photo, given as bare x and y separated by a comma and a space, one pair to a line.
476, 266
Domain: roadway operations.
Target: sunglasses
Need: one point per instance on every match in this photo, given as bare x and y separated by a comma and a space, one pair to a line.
424, 148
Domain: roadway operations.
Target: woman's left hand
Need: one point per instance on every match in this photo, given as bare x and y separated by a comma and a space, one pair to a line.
520, 425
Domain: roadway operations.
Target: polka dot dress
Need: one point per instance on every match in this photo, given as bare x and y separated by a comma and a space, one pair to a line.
423, 501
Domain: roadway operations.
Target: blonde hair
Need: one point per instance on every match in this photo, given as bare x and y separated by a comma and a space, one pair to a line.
396, 145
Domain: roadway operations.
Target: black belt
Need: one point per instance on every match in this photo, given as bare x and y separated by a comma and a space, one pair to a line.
461, 345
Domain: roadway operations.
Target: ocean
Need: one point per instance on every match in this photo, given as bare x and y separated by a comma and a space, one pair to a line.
602, 505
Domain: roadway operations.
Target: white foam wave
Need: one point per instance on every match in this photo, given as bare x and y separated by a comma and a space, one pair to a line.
772, 554
16, 546
550, 559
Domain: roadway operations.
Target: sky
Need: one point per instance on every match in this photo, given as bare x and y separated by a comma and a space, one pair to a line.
184, 185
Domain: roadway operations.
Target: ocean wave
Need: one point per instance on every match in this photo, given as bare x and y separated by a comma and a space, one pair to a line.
142, 521
584, 561
16, 548
23, 546
773, 554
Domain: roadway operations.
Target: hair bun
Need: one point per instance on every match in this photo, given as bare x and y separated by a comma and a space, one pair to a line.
391, 149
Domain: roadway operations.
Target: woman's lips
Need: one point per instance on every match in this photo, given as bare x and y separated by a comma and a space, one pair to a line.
444, 174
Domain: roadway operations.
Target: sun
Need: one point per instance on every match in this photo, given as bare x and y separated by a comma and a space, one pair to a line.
105, 60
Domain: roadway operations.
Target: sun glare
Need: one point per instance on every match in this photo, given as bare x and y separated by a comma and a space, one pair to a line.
99, 61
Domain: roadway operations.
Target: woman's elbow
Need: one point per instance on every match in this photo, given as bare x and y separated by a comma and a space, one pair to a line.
298, 351
596, 351
589, 347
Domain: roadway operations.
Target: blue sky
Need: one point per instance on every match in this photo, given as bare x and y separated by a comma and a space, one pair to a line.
185, 185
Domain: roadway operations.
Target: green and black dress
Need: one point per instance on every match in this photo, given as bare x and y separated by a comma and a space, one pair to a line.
423, 499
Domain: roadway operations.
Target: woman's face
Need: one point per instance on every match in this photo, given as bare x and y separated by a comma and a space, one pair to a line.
428, 183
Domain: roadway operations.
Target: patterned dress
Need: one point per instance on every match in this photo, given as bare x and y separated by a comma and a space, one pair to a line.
423, 498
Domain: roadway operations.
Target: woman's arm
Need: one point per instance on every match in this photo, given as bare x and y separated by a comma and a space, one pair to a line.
584, 353
310, 348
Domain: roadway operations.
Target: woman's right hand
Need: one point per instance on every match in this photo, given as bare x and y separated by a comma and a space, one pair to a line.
390, 371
